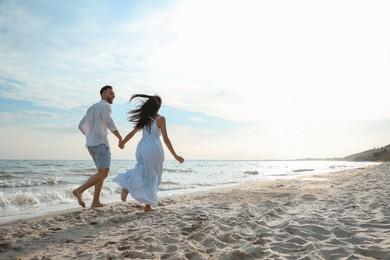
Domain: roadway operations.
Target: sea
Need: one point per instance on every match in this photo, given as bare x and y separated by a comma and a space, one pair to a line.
32, 188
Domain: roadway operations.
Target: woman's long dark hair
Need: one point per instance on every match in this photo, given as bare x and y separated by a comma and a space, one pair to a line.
143, 114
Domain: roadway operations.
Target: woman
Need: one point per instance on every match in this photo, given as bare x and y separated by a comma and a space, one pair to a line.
144, 180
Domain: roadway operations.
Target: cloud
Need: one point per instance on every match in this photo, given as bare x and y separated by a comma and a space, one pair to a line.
198, 119
75, 49
40, 114
280, 61
6, 116
66, 128
254, 61
32, 115
287, 71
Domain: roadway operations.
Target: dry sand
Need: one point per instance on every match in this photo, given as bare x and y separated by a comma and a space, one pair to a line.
342, 215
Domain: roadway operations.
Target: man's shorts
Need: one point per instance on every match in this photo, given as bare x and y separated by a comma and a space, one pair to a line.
101, 155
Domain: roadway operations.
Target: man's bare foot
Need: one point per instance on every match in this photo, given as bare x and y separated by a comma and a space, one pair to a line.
79, 198
148, 208
124, 195
97, 205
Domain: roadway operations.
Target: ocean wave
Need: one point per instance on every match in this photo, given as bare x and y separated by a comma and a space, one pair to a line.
5, 176
35, 198
84, 170
15, 172
45, 165
303, 170
168, 170
82, 174
17, 183
169, 183
333, 167
177, 187
251, 172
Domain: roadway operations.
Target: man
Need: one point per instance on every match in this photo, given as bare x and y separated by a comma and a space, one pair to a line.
96, 125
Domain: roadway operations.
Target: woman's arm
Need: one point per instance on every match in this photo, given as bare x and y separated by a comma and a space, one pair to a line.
128, 137
162, 124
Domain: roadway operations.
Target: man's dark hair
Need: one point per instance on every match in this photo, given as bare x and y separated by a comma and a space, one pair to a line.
104, 89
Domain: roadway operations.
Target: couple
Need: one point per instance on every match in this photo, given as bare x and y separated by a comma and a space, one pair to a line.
143, 181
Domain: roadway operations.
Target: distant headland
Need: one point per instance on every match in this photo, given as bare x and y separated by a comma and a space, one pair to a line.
381, 154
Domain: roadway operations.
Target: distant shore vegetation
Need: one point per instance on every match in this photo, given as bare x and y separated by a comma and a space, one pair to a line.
381, 154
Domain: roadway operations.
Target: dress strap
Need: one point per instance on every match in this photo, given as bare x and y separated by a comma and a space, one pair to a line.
155, 120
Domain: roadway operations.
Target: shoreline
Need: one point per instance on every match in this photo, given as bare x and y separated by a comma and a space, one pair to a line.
333, 215
25, 196
174, 196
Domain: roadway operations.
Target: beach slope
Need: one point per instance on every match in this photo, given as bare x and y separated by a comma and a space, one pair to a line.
341, 215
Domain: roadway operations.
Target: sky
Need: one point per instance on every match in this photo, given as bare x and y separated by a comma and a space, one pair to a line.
239, 79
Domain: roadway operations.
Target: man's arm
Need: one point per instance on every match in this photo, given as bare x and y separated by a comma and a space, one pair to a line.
107, 118
82, 126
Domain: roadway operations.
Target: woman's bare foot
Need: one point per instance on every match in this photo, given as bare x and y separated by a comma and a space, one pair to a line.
148, 208
79, 198
124, 195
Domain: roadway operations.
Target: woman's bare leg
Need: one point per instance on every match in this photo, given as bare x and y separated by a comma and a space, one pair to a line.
148, 208
124, 195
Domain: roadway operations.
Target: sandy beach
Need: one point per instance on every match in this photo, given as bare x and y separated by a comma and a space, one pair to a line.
340, 215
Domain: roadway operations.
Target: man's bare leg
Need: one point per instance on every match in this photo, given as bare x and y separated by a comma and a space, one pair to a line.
79, 198
103, 173
89, 183
96, 195
124, 195
93, 180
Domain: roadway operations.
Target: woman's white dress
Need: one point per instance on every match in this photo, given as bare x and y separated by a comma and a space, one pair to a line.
143, 181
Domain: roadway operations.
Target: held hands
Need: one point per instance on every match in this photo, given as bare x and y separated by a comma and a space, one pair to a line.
121, 144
